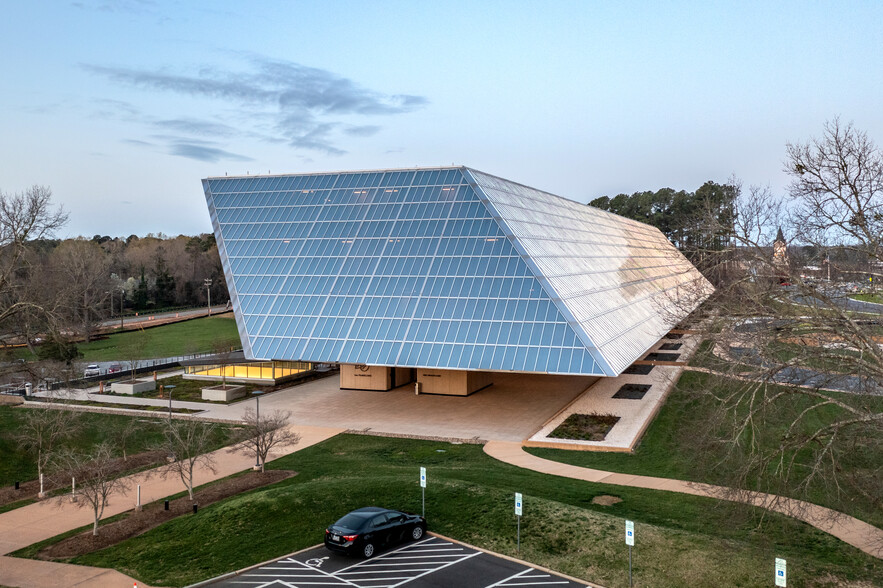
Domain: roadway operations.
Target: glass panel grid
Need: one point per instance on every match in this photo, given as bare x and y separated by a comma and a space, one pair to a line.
617, 278
410, 268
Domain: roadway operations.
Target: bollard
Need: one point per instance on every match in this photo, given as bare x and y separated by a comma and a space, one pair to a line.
16, 485
138, 503
195, 507
73, 489
167, 505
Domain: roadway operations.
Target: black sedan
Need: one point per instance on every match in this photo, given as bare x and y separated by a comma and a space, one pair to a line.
367, 530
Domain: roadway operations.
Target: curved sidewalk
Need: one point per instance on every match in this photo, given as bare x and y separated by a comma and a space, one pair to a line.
846, 528
35, 522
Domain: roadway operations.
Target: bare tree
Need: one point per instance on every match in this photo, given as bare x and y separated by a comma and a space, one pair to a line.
223, 351
95, 476
84, 270
803, 414
123, 434
25, 309
43, 430
133, 349
264, 432
189, 441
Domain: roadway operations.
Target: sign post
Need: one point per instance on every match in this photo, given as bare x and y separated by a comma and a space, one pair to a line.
423, 488
630, 541
518, 524
781, 572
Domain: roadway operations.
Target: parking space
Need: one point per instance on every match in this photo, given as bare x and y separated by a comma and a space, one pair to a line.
430, 563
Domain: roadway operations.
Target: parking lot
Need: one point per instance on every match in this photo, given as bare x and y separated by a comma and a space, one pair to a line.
430, 563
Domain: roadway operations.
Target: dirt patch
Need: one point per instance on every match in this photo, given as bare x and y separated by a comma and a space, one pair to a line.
585, 427
30, 488
606, 500
155, 514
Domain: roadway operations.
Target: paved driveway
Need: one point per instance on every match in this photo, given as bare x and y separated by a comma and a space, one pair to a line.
514, 408
431, 563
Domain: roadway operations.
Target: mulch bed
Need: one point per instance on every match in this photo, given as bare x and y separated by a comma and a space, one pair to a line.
632, 391
639, 370
30, 488
585, 427
154, 514
662, 356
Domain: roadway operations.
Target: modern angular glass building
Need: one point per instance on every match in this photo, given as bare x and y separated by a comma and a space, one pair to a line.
441, 269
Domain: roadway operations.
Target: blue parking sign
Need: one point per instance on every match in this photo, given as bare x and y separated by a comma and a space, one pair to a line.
781, 572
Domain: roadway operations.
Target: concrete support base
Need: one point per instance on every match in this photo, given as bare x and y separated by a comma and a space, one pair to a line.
221, 394
133, 387
373, 377
429, 381
452, 382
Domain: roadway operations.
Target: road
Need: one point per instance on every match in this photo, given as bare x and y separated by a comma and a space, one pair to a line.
147, 318
431, 563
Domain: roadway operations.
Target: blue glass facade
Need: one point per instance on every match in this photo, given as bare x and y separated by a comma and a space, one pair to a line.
404, 268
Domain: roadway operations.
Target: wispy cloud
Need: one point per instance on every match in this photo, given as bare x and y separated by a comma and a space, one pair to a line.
204, 153
362, 131
195, 126
305, 105
131, 6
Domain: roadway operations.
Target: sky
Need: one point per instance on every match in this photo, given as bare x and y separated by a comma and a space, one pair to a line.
122, 107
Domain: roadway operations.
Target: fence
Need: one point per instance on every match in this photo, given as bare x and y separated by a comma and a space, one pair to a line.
141, 366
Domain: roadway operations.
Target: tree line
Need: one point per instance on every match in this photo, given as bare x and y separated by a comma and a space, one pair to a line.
681, 216
56, 286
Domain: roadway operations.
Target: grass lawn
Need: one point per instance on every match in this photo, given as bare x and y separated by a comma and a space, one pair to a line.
193, 336
191, 390
681, 540
18, 465
668, 449
877, 298
705, 357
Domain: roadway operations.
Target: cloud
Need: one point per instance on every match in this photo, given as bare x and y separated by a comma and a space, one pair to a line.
197, 127
131, 6
304, 104
197, 149
362, 131
204, 153
108, 107
316, 139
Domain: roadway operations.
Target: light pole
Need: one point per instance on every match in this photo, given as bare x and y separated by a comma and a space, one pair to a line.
208, 291
122, 298
257, 439
170, 387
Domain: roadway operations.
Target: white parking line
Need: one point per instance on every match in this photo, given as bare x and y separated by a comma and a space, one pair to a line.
387, 571
523, 575
298, 569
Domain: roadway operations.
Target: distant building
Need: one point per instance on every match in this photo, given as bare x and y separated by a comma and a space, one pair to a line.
445, 275
780, 251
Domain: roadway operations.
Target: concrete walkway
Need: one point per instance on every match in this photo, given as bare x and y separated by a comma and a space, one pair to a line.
635, 414
846, 528
36, 522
